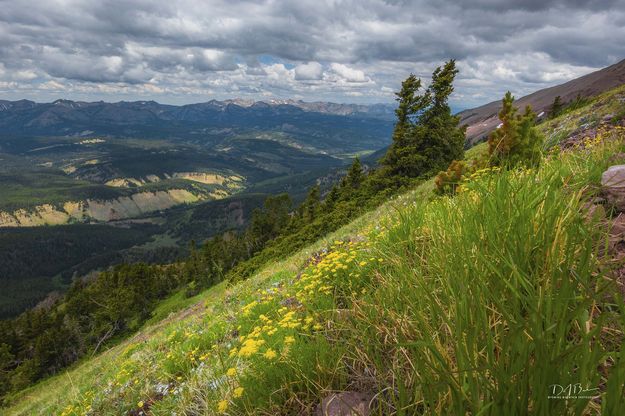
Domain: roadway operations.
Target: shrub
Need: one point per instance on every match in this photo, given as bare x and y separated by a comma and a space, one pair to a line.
448, 181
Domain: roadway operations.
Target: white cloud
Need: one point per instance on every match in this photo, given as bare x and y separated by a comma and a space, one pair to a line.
309, 71
52, 85
25, 75
349, 74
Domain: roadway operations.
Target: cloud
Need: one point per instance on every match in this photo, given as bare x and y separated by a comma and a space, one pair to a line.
341, 50
349, 74
309, 71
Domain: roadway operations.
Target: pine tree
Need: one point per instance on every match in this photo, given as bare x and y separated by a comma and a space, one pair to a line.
556, 107
268, 222
442, 139
355, 175
427, 137
310, 206
516, 141
329, 203
277, 209
7, 360
408, 109
501, 141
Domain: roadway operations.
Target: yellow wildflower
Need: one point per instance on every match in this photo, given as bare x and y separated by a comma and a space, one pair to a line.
238, 392
231, 372
222, 406
140, 404
247, 308
250, 347
289, 340
270, 354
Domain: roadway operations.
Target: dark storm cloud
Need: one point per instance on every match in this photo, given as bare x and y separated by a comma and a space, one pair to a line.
343, 50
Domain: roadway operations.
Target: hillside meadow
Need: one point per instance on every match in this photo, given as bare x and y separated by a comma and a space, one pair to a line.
478, 303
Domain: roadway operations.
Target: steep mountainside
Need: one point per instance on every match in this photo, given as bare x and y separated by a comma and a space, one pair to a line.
476, 303
482, 120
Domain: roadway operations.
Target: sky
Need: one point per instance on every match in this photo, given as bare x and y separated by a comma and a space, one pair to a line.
350, 51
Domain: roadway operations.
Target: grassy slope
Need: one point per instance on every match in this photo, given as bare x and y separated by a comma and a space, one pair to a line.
50, 395
454, 297
610, 103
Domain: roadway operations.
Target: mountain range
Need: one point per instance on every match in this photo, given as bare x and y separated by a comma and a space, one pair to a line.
149, 118
137, 144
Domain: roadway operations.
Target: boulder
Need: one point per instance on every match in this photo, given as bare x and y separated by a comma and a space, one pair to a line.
613, 183
348, 403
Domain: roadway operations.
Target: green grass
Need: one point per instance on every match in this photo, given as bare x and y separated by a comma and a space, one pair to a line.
476, 304
486, 300
609, 103
477, 151
177, 302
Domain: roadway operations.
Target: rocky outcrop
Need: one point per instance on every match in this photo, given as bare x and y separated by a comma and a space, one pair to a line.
613, 183
124, 183
231, 181
99, 210
613, 186
209, 178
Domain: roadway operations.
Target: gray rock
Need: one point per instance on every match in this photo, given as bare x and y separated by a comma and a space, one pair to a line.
348, 403
613, 183
614, 176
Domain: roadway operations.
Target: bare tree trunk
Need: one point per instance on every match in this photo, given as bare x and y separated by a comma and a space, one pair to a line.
105, 337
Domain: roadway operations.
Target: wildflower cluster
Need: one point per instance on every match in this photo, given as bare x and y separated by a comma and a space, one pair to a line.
338, 273
475, 176
279, 319
81, 407
229, 352
603, 133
